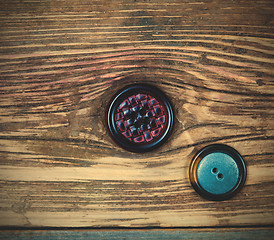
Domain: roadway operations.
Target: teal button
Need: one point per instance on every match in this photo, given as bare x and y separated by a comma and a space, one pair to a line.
217, 173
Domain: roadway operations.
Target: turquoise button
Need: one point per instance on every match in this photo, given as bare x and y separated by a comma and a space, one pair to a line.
217, 173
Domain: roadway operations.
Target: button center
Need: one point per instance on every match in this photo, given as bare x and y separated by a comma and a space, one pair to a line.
217, 173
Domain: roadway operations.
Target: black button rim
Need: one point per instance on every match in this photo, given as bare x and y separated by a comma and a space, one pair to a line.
114, 103
212, 149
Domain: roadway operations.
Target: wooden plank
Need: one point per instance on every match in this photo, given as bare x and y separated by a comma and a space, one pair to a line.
242, 234
61, 61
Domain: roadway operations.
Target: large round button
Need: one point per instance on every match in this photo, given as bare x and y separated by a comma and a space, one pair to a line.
139, 118
217, 172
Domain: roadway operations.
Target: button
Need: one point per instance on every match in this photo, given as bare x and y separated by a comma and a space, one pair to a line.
139, 118
217, 172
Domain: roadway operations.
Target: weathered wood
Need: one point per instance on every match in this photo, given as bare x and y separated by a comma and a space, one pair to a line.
61, 61
241, 234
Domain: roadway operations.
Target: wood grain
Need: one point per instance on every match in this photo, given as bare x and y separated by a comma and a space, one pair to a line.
61, 62
223, 233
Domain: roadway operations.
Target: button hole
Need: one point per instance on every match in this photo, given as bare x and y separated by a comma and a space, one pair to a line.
214, 170
220, 175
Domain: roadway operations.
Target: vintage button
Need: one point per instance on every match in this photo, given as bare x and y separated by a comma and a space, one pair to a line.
217, 172
139, 118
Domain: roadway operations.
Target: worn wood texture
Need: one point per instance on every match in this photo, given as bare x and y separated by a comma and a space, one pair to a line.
196, 234
61, 61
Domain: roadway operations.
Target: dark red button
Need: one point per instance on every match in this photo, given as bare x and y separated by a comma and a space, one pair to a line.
139, 118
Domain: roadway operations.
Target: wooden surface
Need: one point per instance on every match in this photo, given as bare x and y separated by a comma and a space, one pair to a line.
196, 234
61, 61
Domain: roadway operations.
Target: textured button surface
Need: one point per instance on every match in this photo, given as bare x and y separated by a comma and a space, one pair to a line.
139, 118
217, 172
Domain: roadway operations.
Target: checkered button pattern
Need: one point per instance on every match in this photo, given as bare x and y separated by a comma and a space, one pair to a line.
140, 118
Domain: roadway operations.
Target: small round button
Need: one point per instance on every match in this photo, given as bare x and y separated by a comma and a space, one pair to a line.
139, 118
217, 172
